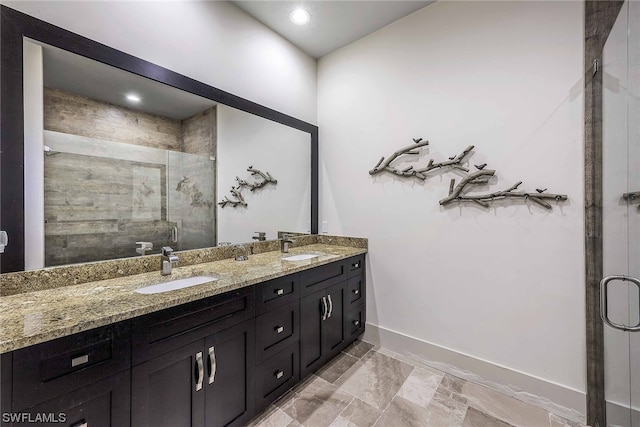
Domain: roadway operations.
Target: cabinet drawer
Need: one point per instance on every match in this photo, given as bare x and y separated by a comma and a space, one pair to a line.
50, 369
322, 277
355, 292
354, 323
163, 331
276, 330
277, 292
355, 266
105, 403
276, 375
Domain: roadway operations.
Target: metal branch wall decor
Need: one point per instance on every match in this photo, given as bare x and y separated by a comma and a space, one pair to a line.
459, 193
236, 191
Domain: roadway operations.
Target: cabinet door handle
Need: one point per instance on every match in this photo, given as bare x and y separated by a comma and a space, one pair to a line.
213, 364
278, 374
356, 265
80, 360
356, 291
279, 291
330, 306
325, 309
356, 322
81, 423
200, 372
279, 329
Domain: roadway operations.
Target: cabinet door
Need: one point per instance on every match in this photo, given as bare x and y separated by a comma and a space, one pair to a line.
333, 327
230, 362
166, 392
312, 310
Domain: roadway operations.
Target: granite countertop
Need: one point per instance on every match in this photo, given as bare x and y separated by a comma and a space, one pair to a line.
34, 317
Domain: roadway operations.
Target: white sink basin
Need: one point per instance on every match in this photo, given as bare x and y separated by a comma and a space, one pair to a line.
176, 284
300, 257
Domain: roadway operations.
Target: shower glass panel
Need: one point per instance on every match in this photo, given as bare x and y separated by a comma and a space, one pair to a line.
191, 201
101, 197
621, 216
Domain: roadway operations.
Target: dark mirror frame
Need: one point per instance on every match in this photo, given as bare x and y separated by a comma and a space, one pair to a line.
14, 26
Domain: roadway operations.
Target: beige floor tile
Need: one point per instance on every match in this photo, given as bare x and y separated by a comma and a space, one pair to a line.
441, 412
375, 380
420, 386
272, 417
358, 349
360, 414
317, 404
504, 407
475, 418
557, 421
336, 367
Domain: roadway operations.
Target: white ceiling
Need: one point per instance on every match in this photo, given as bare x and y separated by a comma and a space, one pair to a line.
333, 24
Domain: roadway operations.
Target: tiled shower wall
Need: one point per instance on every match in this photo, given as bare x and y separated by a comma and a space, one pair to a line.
97, 208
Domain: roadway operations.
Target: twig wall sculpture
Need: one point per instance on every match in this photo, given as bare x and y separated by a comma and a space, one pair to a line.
459, 193
385, 165
237, 191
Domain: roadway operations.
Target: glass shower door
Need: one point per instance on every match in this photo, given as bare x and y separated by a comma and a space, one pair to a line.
620, 289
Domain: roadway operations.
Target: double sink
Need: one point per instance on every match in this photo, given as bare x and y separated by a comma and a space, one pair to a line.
173, 285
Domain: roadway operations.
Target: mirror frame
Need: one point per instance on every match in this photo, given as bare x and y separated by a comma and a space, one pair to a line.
14, 26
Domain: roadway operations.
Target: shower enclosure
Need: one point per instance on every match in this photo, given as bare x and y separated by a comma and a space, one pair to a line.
620, 289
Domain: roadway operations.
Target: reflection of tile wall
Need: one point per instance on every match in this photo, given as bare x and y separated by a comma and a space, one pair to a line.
97, 208
199, 133
70, 113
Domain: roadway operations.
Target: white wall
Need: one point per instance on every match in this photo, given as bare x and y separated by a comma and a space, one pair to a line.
503, 285
246, 140
211, 41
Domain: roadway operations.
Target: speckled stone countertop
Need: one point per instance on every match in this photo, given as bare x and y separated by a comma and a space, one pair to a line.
37, 316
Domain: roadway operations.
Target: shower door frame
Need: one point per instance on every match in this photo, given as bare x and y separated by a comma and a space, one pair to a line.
599, 19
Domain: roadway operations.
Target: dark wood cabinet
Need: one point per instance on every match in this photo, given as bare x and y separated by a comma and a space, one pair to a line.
214, 362
334, 316
165, 391
229, 380
104, 403
206, 383
321, 327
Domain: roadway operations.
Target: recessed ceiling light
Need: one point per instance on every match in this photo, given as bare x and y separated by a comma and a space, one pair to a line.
300, 16
133, 97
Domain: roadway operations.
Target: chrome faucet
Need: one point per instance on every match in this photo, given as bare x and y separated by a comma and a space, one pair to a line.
144, 247
168, 260
242, 256
284, 243
261, 236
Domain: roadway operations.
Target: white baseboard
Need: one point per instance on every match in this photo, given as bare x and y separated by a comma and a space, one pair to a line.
619, 415
555, 398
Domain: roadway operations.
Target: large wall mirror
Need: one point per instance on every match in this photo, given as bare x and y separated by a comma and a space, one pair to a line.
102, 150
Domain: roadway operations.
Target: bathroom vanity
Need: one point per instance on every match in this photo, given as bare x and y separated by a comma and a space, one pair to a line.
214, 354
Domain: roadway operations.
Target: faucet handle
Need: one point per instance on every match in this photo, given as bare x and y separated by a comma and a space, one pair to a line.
166, 250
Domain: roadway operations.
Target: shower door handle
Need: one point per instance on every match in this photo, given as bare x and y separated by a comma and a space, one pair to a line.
604, 309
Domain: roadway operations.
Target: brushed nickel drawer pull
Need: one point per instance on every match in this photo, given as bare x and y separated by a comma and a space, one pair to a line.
80, 360
356, 265
82, 423
356, 322
200, 371
213, 364
330, 306
279, 329
279, 374
356, 291
325, 308
279, 291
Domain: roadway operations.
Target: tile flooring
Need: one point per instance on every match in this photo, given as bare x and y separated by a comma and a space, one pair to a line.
363, 387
